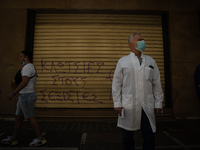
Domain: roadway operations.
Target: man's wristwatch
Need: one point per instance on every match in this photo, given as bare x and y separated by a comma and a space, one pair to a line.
13, 93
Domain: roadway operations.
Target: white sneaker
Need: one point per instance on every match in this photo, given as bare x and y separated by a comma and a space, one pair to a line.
38, 142
10, 141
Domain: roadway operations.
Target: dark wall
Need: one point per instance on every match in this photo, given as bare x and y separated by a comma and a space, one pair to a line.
183, 31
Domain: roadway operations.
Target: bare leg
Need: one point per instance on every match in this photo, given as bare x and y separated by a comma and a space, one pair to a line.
35, 126
18, 125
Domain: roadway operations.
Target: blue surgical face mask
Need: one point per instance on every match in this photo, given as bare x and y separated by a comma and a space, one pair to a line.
23, 63
141, 46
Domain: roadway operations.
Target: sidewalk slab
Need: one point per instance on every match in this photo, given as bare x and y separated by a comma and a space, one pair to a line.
103, 135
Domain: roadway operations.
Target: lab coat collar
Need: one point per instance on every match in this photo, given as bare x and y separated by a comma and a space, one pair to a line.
136, 62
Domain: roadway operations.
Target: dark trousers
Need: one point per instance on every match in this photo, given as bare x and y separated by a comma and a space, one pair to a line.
147, 133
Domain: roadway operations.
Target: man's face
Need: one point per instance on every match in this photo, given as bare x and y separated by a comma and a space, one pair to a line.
133, 43
21, 57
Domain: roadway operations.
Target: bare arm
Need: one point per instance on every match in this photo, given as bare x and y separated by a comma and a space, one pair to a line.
23, 84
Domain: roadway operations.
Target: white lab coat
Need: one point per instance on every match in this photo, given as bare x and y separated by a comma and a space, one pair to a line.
135, 87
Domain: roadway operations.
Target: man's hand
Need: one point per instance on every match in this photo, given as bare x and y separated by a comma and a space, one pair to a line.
10, 96
118, 110
158, 110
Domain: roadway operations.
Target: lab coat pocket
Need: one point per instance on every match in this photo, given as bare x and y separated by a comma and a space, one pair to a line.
148, 73
150, 102
127, 101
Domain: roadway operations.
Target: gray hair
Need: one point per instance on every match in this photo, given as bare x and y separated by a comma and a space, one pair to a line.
131, 36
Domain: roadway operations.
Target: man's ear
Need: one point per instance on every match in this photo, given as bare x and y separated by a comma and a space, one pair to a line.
133, 45
130, 44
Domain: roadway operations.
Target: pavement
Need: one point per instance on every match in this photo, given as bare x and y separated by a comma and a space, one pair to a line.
102, 134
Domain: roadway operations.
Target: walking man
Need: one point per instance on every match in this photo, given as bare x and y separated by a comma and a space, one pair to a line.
25, 104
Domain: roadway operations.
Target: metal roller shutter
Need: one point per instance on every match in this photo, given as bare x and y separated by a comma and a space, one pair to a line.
75, 55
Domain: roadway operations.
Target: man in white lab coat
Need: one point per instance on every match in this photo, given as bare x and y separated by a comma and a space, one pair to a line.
137, 94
